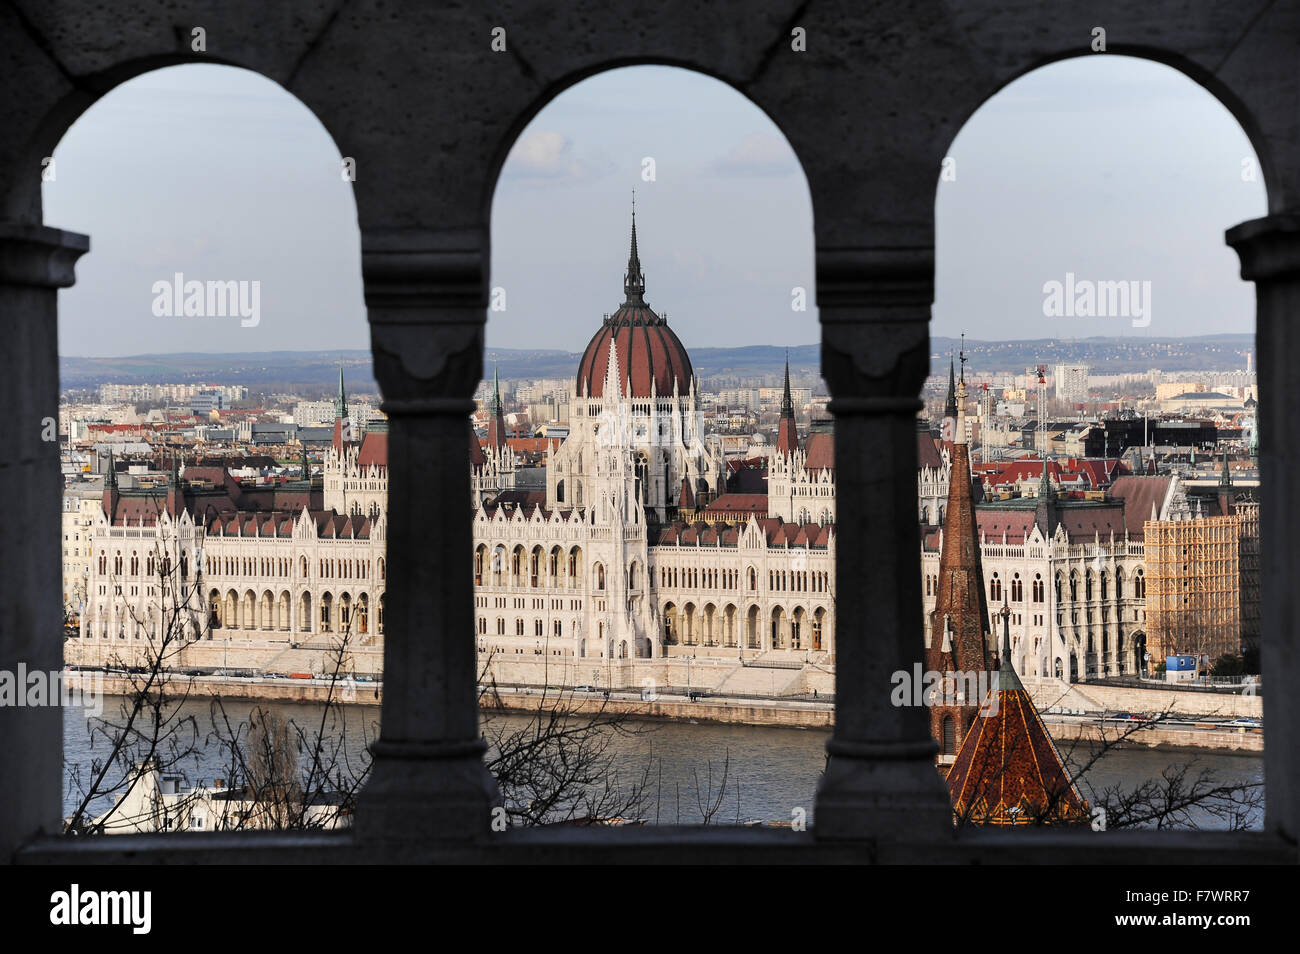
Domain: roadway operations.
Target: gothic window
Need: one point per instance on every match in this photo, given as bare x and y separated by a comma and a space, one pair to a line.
995, 589
1017, 589
1140, 586
1074, 587
1087, 586
1038, 588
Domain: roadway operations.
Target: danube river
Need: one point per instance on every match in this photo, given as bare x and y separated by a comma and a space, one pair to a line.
770, 773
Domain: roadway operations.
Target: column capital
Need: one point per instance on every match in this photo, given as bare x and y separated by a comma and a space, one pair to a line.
1269, 248
875, 314
426, 294
39, 255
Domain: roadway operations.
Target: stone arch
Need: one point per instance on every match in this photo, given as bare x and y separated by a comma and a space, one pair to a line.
1186, 37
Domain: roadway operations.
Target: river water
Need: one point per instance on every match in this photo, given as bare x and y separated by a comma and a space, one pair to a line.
766, 774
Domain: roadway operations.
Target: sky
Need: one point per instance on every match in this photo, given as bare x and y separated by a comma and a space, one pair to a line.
1108, 168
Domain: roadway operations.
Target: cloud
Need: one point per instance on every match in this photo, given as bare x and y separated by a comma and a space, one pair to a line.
548, 155
758, 155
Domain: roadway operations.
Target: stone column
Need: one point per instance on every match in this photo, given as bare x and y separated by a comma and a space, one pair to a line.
881, 780
426, 292
1269, 249
35, 262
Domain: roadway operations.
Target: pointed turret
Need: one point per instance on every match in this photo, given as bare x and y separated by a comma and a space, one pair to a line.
341, 424
633, 279
950, 408
787, 436
958, 623
496, 433
1008, 771
110, 488
1227, 498
341, 399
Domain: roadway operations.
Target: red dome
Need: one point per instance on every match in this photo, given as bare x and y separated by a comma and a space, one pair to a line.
647, 350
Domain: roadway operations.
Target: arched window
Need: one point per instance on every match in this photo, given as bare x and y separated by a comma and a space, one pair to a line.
995, 589
1038, 588
1017, 589
1140, 586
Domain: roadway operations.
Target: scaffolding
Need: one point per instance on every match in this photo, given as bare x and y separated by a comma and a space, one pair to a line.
1194, 586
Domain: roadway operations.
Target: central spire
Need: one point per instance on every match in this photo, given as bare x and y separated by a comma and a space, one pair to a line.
634, 281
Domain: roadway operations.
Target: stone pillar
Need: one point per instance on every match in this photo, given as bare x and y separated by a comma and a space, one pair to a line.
35, 262
881, 780
426, 292
1269, 249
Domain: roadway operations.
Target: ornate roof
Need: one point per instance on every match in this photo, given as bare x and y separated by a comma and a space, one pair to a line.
1008, 771
645, 350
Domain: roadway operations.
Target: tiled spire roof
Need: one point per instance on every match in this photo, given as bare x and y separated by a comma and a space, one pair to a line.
1008, 771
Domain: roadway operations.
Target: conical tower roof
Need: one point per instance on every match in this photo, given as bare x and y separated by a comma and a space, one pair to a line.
1008, 770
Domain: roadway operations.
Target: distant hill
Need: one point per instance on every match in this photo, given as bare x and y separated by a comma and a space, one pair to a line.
1124, 355
309, 372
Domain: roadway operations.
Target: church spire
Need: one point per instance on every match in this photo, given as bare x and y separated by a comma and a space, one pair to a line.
950, 409
341, 401
787, 403
959, 620
634, 280
1225, 478
787, 436
496, 433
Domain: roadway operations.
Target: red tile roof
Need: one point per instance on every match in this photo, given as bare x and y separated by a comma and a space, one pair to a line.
736, 504
647, 351
820, 448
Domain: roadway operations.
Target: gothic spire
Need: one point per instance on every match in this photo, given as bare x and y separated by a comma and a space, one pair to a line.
1225, 478
496, 433
787, 403
110, 475
341, 401
950, 409
633, 280
787, 437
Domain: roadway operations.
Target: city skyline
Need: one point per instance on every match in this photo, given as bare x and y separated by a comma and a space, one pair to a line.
726, 223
